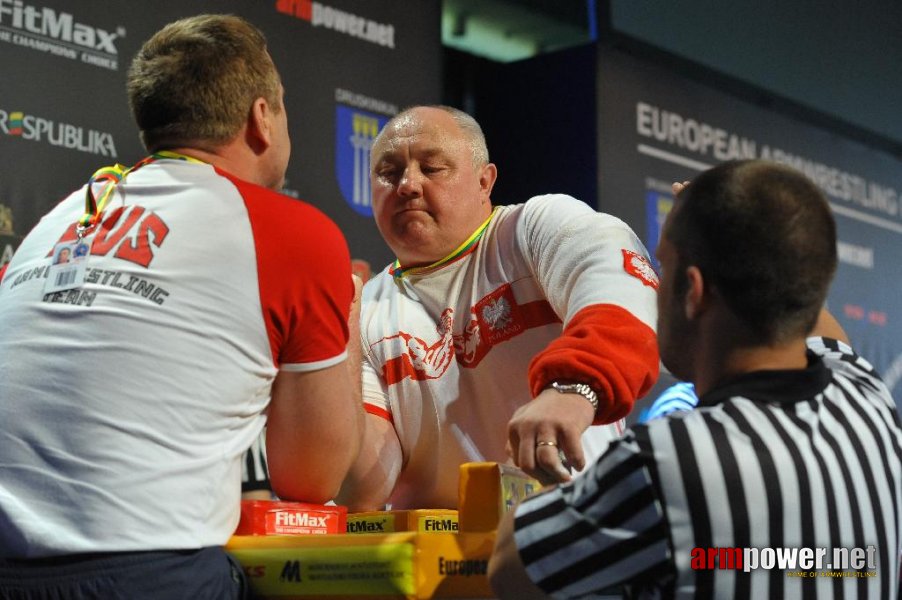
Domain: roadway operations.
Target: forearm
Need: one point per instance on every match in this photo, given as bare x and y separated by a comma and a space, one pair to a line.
313, 433
371, 479
355, 354
607, 348
594, 272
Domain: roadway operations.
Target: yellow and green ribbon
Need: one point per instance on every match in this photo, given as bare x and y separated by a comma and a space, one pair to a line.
468, 246
94, 206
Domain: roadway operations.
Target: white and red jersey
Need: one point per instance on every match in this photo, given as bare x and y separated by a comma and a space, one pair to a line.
553, 290
126, 404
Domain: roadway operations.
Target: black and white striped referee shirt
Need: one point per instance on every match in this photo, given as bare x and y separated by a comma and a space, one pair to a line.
782, 484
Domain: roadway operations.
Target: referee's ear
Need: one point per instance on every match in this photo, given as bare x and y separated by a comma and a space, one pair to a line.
696, 293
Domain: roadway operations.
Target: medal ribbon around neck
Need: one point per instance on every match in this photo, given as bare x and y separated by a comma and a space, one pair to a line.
468, 246
94, 206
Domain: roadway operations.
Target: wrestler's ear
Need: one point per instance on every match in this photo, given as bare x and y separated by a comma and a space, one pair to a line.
259, 130
487, 176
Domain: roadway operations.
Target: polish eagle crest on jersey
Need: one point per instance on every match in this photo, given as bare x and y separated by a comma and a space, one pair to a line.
639, 267
497, 314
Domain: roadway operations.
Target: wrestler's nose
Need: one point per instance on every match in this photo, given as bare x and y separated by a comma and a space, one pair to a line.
411, 183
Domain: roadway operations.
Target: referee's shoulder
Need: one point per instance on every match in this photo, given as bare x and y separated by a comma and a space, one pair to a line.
646, 433
641, 432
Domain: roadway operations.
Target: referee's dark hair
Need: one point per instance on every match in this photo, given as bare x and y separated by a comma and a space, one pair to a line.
762, 234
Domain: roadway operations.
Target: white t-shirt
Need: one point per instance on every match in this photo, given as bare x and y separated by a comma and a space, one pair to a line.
447, 352
126, 404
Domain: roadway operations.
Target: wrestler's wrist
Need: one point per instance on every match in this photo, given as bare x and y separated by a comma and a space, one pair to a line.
582, 389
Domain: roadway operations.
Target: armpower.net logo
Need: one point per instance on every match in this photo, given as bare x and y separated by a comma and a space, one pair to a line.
797, 562
322, 15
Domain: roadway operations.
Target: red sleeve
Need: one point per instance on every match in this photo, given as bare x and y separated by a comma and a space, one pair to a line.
606, 347
3, 270
304, 274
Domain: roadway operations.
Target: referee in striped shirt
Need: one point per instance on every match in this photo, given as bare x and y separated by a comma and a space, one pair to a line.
785, 481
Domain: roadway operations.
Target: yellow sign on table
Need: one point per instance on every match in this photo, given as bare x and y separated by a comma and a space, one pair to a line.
398, 565
407, 554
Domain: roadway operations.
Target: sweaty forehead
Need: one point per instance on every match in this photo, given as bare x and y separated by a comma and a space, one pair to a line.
415, 134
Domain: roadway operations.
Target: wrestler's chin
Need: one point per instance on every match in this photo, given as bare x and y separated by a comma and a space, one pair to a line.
414, 230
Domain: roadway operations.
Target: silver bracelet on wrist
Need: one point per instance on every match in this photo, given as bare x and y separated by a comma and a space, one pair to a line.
578, 388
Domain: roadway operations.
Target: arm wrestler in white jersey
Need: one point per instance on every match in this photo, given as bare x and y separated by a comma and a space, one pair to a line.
521, 332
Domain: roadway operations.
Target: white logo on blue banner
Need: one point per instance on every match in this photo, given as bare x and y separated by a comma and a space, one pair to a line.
355, 131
